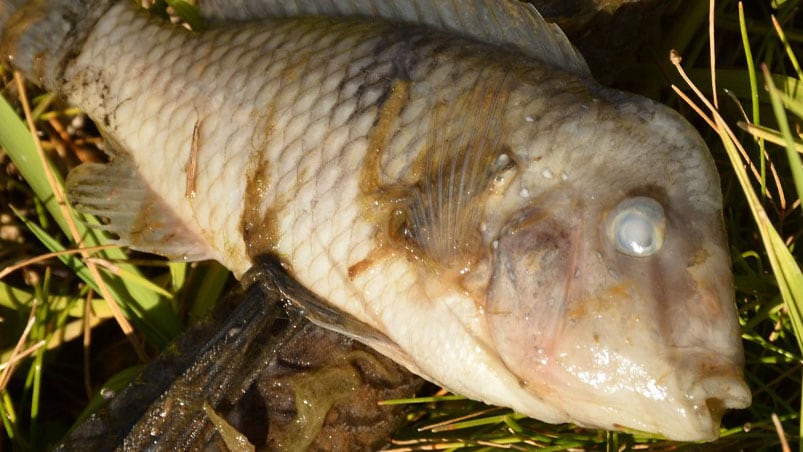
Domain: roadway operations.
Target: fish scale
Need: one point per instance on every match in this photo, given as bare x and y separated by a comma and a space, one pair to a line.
464, 199
221, 158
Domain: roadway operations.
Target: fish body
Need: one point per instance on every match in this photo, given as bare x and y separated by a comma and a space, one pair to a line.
483, 213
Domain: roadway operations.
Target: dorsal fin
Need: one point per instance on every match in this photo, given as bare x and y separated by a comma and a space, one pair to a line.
501, 22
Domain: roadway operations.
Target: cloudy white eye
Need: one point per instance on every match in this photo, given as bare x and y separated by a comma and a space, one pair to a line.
636, 226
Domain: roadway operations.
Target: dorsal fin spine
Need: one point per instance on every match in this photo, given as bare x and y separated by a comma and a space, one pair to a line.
500, 22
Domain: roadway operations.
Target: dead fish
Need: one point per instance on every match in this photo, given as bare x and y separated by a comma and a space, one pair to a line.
445, 177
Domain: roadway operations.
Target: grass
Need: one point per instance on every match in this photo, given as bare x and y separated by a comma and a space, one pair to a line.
69, 319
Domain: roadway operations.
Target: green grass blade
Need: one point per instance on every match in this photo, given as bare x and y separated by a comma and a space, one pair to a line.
187, 12
787, 272
765, 133
756, 106
16, 139
8, 415
789, 53
133, 311
213, 279
795, 164
792, 104
19, 299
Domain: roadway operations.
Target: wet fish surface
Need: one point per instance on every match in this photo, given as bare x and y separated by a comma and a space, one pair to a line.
445, 177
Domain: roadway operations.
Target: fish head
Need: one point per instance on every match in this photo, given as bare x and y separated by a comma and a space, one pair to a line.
611, 295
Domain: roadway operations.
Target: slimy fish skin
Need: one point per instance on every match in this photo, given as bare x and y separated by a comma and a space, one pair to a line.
446, 176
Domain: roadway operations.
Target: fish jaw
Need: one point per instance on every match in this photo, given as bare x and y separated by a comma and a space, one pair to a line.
616, 393
628, 371
680, 393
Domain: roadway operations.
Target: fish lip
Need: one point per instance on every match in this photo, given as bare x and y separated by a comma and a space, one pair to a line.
701, 407
732, 393
712, 396
713, 373
702, 386
707, 400
713, 384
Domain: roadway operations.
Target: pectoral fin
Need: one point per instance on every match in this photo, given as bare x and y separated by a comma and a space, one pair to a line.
465, 149
268, 271
134, 213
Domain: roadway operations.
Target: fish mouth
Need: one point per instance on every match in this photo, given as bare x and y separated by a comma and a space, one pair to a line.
715, 395
696, 414
695, 394
715, 385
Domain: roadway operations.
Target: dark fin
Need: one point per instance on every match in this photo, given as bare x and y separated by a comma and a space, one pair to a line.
135, 214
505, 22
214, 363
257, 370
40, 37
464, 151
269, 271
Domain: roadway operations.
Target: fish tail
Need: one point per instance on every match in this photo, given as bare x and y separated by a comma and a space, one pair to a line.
37, 37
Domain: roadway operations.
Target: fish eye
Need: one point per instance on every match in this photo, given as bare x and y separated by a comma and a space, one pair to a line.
636, 226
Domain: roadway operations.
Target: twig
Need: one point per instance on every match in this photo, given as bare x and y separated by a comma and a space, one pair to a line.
781, 435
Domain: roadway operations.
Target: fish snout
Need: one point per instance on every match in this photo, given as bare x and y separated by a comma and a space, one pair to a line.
722, 393
715, 386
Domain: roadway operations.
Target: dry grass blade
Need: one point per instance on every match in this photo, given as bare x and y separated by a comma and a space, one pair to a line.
61, 200
712, 54
781, 434
786, 270
765, 133
449, 424
18, 353
43, 257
